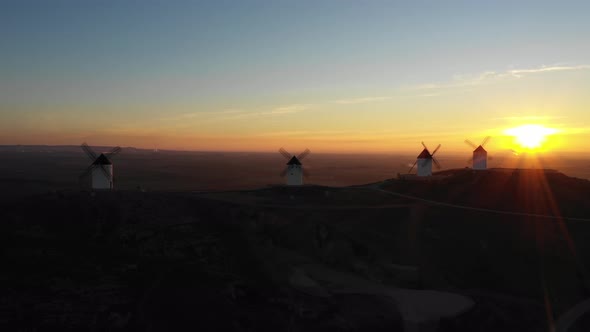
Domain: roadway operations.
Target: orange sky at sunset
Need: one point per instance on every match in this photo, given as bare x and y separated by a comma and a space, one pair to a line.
332, 77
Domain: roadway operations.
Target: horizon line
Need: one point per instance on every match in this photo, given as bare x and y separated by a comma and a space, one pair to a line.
452, 152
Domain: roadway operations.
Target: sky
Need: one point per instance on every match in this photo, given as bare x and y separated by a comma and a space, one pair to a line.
333, 76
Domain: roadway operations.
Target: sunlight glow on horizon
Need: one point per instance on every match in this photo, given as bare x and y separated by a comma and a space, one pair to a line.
530, 136
335, 77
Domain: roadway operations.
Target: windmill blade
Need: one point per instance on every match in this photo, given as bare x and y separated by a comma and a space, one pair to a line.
284, 172
424, 145
285, 154
88, 151
306, 173
303, 154
436, 163
104, 171
433, 152
113, 152
471, 144
470, 160
485, 141
490, 157
411, 168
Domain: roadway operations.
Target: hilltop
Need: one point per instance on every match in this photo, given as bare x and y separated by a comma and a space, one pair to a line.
301, 258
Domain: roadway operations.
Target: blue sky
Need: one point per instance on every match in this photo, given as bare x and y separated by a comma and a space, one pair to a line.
63, 61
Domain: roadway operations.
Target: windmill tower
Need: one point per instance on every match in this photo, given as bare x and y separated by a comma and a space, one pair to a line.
294, 170
480, 155
424, 161
99, 175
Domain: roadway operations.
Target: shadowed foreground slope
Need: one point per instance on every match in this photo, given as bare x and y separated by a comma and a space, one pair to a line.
296, 259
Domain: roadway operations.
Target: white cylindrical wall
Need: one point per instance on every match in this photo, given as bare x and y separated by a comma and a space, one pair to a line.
294, 175
424, 167
480, 160
100, 180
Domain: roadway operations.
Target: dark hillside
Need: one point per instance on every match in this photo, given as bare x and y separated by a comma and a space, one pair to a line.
298, 259
530, 191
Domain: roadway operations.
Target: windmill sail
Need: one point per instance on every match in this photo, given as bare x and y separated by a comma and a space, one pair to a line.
303, 154
285, 154
89, 151
294, 172
425, 160
480, 155
99, 175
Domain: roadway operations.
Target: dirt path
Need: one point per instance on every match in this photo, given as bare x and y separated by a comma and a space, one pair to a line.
421, 309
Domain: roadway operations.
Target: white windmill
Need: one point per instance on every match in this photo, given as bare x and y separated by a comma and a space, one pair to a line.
424, 161
99, 175
294, 170
480, 155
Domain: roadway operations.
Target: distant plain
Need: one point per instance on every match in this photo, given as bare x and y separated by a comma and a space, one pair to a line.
37, 169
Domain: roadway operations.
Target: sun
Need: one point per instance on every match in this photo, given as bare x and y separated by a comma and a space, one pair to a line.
530, 136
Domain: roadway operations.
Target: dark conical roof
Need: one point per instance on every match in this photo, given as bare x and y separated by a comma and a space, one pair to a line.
294, 161
479, 149
424, 155
102, 160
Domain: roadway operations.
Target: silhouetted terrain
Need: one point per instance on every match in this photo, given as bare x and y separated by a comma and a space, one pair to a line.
462, 251
38, 169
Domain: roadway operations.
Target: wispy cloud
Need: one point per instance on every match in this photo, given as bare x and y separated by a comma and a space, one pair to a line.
236, 114
459, 81
487, 77
362, 100
301, 133
192, 115
530, 118
291, 109
521, 72
283, 110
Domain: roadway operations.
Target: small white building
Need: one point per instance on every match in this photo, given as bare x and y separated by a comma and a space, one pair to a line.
480, 158
294, 172
101, 174
424, 163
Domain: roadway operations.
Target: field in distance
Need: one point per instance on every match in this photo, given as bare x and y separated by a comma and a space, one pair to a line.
37, 169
